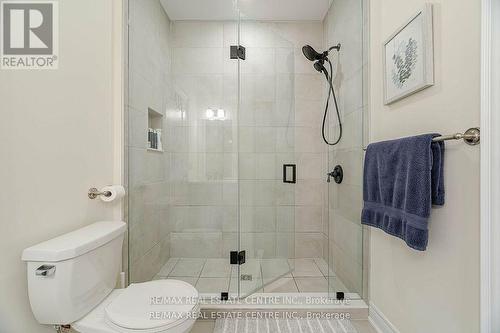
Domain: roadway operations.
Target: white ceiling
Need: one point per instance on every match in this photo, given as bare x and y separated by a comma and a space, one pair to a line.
265, 10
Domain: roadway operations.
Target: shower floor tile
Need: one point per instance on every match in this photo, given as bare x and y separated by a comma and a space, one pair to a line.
212, 285
283, 285
311, 284
305, 268
246, 287
216, 268
215, 275
168, 267
191, 280
272, 268
188, 267
323, 266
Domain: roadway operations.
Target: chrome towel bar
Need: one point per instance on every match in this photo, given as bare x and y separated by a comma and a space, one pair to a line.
471, 137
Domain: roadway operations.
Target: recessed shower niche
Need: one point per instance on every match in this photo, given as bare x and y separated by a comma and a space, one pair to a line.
155, 131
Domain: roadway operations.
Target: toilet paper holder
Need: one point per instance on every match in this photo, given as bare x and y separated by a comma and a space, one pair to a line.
94, 193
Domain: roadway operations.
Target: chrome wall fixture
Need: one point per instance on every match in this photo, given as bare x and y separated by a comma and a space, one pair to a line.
471, 137
94, 193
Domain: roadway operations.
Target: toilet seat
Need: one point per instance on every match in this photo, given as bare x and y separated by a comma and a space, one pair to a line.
150, 307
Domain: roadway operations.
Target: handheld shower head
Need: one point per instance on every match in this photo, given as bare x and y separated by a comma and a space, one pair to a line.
319, 66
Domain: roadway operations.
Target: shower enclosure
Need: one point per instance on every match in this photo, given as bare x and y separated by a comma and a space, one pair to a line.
226, 165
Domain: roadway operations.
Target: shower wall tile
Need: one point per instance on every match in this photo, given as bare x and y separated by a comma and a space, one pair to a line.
284, 112
259, 245
309, 192
140, 91
150, 192
258, 61
230, 33
311, 165
299, 34
344, 23
285, 87
197, 34
246, 139
349, 92
265, 139
198, 193
285, 60
265, 114
265, 166
198, 61
308, 219
349, 272
258, 218
196, 218
230, 192
257, 34
196, 245
285, 140
309, 113
257, 87
351, 160
138, 125
285, 219
308, 140
308, 245
285, 245
348, 201
308, 87
285, 193
348, 237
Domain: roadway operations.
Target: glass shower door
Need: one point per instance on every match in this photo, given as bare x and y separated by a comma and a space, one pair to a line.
345, 245
266, 156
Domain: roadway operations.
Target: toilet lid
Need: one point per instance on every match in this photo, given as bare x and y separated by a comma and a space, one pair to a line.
154, 304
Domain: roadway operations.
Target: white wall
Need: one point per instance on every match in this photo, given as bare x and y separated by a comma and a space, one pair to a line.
56, 141
436, 290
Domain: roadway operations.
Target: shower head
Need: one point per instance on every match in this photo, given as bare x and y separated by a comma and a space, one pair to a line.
311, 53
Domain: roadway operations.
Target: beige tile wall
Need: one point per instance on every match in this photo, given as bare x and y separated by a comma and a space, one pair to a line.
150, 86
183, 201
274, 128
343, 24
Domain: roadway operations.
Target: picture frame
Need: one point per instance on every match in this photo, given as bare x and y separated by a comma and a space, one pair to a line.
408, 56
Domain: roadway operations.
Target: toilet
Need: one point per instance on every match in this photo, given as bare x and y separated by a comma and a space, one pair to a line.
72, 279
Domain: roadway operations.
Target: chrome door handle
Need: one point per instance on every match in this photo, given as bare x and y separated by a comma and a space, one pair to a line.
45, 270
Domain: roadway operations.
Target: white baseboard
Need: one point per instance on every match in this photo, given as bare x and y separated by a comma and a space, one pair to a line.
379, 321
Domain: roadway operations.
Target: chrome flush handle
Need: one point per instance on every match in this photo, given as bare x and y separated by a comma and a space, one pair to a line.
45, 270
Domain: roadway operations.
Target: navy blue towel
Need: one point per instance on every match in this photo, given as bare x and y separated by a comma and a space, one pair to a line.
402, 180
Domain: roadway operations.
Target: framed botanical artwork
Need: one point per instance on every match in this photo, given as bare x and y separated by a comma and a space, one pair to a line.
409, 57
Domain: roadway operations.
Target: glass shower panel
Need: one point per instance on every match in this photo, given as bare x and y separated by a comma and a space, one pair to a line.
266, 145
182, 148
344, 24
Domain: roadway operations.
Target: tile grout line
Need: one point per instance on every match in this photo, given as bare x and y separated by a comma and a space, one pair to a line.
176, 262
201, 271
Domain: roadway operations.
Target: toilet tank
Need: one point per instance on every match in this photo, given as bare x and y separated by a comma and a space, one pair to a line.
71, 274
